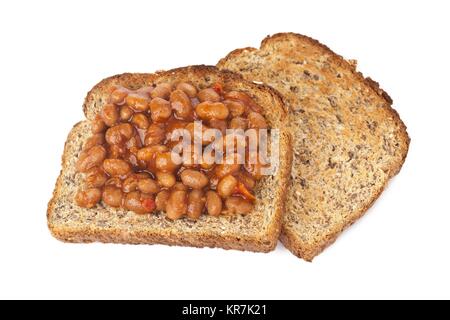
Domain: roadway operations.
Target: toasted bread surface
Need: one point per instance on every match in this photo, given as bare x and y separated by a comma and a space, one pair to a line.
348, 140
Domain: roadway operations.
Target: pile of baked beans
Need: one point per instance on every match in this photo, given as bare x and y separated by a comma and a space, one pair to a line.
128, 162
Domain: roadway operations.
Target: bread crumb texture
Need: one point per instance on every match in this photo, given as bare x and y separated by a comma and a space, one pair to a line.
348, 141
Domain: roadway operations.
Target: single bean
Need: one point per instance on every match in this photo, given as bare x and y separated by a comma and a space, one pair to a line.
165, 179
93, 157
161, 200
236, 108
98, 125
112, 196
88, 198
140, 120
196, 204
176, 205
213, 203
181, 104
238, 205
94, 140
194, 179
110, 114
166, 161
95, 178
148, 185
160, 109
212, 110
126, 113
208, 94
162, 91
188, 88
118, 96
227, 186
116, 167
137, 101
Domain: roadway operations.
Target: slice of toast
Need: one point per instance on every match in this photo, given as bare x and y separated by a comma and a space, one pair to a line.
257, 231
348, 141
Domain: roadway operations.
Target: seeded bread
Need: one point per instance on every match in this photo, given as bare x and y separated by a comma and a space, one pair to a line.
348, 141
257, 231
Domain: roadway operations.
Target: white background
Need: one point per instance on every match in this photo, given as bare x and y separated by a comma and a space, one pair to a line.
53, 52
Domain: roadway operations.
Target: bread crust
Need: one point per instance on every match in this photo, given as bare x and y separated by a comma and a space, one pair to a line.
263, 240
289, 239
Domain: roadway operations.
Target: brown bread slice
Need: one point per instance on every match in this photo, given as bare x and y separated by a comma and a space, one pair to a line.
348, 141
257, 231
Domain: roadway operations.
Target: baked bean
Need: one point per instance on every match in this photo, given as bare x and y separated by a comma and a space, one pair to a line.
196, 204
166, 161
119, 134
148, 185
212, 110
238, 123
236, 108
88, 198
134, 143
161, 200
137, 102
246, 179
230, 165
91, 158
114, 181
179, 186
110, 114
213, 203
160, 109
208, 94
125, 113
116, 167
112, 196
227, 186
115, 151
220, 125
140, 203
256, 121
140, 120
155, 135
118, 96
95, 178
238, 205
98, 125
181, 104
176, 205
130, 183
187, 88
194, 179
94, 140
165, 179
162, 91
245, 98
149, 153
